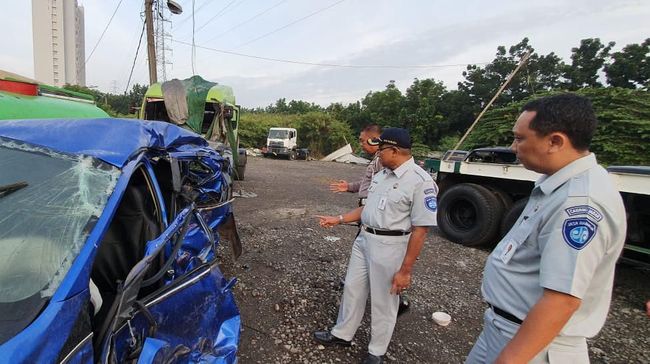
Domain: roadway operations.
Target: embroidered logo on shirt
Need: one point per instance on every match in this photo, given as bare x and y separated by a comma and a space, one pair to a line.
578, 232
431, 203
584, 210
429, 191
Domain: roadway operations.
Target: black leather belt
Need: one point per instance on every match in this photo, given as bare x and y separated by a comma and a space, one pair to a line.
506, 315
385, 232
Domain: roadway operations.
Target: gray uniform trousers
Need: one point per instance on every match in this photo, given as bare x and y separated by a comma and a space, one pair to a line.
373, 263
497, 332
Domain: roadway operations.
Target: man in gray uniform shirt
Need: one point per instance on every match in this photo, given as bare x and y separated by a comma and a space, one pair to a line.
368, 133
549, 281
361, 186
400, 207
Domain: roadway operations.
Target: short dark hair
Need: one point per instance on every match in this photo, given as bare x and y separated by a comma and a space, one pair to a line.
566, 113
372, 128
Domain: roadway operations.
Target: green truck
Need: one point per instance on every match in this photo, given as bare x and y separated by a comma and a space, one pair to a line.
24, 98
205, 107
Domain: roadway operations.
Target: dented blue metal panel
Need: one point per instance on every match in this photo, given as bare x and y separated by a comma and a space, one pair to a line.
200, 319
112, 140
201, 315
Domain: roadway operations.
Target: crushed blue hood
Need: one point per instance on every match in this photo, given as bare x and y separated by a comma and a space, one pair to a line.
112, 140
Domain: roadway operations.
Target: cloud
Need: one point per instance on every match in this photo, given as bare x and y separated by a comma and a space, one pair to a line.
472, 42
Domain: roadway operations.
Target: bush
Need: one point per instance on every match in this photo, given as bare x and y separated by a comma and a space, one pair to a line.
622, 137
318, 131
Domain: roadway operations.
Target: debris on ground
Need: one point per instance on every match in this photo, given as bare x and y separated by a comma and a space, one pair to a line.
345, 155
244, 194
332, 238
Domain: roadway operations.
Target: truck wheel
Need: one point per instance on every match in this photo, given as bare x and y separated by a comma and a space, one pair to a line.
469, 214
502, 196
292, 155
240, 171
512, 215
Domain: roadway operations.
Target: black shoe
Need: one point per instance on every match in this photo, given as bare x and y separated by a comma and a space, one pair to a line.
326, 338
404, 304
373, 359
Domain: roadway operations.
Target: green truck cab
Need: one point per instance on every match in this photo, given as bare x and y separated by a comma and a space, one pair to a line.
205, 107
24, 98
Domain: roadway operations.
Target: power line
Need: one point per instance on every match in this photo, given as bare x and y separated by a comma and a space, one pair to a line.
288, 25
217, 15
106, 28
422, 66
248, 20
137, 50
190, 17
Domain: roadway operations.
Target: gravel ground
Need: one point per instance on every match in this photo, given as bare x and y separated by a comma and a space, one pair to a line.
290, 270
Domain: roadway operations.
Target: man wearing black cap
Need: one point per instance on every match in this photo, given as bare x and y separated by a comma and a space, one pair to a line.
400, 207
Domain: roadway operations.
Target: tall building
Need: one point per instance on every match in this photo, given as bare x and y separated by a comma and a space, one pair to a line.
59, 54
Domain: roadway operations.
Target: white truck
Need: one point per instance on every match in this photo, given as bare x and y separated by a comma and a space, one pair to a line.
282, 142
483, 195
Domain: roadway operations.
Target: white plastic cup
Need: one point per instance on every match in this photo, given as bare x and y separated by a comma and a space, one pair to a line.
441, 318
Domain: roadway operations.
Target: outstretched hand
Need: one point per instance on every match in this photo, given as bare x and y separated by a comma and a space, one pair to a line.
340, 186
327, 221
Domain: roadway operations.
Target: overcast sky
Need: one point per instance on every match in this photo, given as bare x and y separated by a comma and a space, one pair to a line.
400, 34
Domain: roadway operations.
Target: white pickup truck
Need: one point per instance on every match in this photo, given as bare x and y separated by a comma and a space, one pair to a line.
483, 195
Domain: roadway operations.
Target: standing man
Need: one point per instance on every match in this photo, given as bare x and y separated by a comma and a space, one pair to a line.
549, 282
361, 187
368, 133
400, 207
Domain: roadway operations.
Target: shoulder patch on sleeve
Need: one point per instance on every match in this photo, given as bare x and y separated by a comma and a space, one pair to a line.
431, 203
429, 191
578, 232
584, 210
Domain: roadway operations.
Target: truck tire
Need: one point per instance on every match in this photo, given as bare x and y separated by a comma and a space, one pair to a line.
240, 168
292, 155
240, 171
512, 215
502, 196
469, 214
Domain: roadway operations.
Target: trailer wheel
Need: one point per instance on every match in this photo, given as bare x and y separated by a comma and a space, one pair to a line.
240, 171
469, 214
502, 196
512, 215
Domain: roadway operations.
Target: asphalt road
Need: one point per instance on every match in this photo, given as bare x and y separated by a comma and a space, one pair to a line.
290, 270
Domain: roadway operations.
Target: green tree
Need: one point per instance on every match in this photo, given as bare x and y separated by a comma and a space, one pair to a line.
420, 113
540, 73
384, 107
630, 68
622, 137
586, 62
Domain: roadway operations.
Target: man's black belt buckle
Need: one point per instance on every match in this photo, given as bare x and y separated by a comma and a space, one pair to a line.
506, 315
386, 232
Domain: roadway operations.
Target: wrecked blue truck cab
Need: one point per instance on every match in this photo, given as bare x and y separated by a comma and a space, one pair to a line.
108, 231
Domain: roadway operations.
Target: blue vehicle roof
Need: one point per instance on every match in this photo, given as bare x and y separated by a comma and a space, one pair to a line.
112, 140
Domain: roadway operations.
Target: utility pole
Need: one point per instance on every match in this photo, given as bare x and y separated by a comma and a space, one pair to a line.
151, 45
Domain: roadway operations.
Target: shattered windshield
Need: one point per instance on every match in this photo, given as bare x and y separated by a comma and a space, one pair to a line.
278, 134
48, 206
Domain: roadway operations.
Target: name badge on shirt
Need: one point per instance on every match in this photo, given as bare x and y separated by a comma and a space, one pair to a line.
382, 203
508, 251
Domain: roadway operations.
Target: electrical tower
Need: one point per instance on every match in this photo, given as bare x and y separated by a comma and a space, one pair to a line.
163, 39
